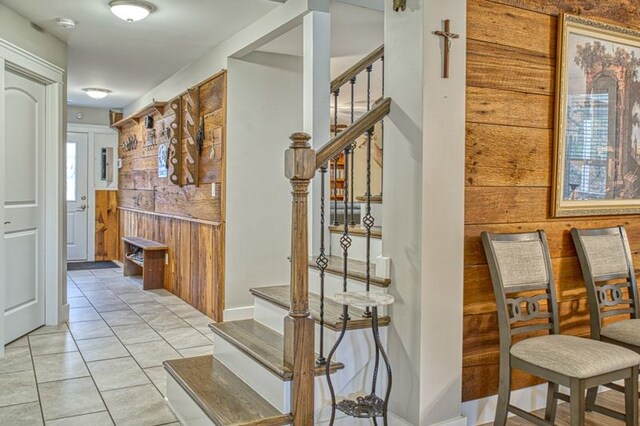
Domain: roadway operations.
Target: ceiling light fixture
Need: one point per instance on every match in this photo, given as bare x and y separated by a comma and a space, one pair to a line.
66, 23
131, 10
96, 93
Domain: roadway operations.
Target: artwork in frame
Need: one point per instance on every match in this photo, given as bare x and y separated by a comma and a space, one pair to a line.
597, 129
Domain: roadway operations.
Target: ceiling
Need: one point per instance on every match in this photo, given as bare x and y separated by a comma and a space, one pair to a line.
132, 58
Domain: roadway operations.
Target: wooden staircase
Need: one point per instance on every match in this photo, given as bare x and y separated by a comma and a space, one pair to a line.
264, 370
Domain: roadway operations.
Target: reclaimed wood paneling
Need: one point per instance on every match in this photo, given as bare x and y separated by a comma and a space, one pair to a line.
106, 225
188, 218
511, 54
196, 256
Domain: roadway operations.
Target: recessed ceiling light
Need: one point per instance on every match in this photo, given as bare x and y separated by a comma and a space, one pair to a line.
131, 10
66, 23
96, 93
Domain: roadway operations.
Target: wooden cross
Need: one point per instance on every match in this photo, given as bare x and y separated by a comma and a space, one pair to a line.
448, 35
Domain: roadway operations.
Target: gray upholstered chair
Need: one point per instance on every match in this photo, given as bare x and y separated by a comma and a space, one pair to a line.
607, 269
526, 302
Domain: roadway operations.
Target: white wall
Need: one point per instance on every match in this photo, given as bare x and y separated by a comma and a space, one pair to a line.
443, 169
94, 116
19, 31
424, 154
264, 108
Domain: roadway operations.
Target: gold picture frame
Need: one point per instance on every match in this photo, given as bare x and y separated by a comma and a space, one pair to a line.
597, 119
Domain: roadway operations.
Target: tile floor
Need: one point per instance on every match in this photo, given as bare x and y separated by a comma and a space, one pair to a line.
105, 366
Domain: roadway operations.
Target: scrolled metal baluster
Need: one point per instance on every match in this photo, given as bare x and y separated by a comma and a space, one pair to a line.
322, 262
352, 222
335, 160
345, 240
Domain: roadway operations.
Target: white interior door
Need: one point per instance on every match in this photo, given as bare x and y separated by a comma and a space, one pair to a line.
23, 174
77, 191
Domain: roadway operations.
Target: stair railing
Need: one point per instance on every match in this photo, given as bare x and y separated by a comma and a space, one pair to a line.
301, 164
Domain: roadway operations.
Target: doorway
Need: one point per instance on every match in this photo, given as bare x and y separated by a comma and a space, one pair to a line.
77, 193
24, 204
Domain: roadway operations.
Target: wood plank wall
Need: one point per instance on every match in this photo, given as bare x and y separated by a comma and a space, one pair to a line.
511, 58
107, 228
188, 219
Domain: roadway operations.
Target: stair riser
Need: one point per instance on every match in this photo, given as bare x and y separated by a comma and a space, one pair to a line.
357, 349
183, 406
358, 248
269, 386
376, 212
333, 284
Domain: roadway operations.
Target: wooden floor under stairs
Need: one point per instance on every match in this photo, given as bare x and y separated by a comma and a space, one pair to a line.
262, 344
356, 270
223, 397
280, 295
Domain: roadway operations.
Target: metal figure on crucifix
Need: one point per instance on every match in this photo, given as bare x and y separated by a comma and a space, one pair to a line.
448, 36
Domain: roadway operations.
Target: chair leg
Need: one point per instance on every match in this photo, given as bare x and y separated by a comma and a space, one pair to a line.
592, 394
631, 398
504, 394
552, 403
577, 402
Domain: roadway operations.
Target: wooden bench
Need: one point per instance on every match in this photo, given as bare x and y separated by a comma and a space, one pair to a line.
144, 258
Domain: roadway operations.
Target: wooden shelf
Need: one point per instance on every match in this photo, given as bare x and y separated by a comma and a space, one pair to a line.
137, 262
154, 107
151, 268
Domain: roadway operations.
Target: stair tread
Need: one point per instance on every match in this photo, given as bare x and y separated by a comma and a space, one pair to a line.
279, 295
376, 231
222, 395
355, 270
264, 345
375, 199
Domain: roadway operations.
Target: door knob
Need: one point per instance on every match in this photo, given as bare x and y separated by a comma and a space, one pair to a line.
83, 198
83, 207
7, 223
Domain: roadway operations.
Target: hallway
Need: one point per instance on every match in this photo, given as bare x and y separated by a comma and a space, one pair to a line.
105, 368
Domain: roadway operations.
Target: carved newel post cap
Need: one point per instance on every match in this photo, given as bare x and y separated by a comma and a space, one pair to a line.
300, 140
300, 159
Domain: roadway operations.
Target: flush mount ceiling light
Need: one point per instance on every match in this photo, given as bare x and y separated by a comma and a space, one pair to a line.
66, 23
131, 10
96, 93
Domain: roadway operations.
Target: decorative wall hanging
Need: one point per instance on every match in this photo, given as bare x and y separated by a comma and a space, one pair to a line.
597, 153
129, 143
174, 163
163, 153
192, 159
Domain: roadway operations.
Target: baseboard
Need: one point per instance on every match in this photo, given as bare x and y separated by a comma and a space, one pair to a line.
64, 313
235, 314
458, 421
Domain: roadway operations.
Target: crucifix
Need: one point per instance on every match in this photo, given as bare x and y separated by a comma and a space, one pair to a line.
448, 36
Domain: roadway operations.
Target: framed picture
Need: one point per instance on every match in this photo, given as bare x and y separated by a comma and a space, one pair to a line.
597, 131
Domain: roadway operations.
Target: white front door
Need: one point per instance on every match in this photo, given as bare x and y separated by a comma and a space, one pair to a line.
23, 173
77, 191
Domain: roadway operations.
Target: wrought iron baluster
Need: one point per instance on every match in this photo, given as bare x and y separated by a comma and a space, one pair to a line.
322, 262
345, 240
352, 222
368, 221
382, 136
335, 160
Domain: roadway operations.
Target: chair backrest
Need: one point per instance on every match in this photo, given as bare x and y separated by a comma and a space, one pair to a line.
521, 263
605, 257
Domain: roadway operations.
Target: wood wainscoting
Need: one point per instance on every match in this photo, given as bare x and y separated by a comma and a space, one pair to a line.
106, 227
195, 272
511, 55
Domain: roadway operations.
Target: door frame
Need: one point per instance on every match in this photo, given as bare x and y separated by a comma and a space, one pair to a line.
91, 130
20, 61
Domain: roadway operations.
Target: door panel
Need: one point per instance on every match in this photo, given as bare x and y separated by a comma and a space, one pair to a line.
77, 194
23, 174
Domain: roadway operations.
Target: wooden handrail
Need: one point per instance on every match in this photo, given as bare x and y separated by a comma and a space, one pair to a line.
357, 68
339, 142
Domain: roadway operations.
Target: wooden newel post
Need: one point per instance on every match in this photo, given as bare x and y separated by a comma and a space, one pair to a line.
299, 353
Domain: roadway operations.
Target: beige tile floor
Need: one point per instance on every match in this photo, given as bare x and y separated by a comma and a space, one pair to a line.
105, 366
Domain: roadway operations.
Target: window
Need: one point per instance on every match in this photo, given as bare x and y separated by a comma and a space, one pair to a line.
72, 175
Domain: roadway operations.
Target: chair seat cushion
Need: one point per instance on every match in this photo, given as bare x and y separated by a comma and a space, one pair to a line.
625, 331
573, 356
